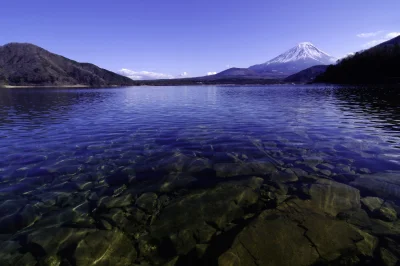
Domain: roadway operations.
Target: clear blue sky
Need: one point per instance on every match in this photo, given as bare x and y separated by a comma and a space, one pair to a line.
175, 36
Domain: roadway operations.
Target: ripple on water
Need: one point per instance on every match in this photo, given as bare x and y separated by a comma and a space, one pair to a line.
183, 174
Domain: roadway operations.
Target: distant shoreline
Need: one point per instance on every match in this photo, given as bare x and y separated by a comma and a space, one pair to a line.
58, 86
42, 86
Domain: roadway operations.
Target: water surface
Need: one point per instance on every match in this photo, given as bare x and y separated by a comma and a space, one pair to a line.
63, 148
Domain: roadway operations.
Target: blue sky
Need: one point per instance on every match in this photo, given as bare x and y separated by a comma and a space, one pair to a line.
176, 36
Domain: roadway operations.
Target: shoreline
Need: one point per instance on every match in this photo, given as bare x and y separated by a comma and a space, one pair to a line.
60, 86
42, 86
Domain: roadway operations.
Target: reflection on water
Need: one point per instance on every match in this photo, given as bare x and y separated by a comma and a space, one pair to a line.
186, 174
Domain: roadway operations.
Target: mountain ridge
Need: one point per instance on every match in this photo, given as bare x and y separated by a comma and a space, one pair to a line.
377, 65
26, 64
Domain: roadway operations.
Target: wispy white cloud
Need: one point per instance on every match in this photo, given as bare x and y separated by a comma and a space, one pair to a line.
183, 75
382, 36
392, 35
143, 75
211, 73
370, 34
346, 55
373, 43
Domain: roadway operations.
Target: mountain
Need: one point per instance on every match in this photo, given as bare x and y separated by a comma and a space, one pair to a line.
300, 57
28, 64
307, 75
377, 65
236, 72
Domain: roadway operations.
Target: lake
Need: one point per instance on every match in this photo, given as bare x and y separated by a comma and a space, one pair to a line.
200, 175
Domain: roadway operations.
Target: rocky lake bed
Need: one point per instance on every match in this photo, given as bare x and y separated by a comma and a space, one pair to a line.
290, 195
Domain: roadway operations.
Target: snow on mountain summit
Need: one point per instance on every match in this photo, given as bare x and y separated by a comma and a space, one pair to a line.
302, 56
304, 50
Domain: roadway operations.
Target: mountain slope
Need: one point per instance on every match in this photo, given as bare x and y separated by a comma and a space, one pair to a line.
298, 58
377, 65
236, 72
307, 75
28, 64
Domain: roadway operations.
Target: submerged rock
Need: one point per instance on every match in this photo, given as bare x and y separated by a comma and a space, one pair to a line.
16, 219
386, 213
11, 255
383, 185
372, 203
270, 241
147, 202
244, 169
388, 258
105, 248
377, 208
195, 217
333, 197
53, 240
292, 235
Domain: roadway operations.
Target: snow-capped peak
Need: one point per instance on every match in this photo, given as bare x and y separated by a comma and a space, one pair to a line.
303, 51
305, 44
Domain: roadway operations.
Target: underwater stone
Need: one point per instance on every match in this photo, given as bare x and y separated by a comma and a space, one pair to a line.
377, 186
52, 240
392, 246
147, 202
232, 169
147, 248
285, 177
11, 255
106, 225
174, 163
201, 250
215, 206
326, 166
105, 248
204, 233
183, 241
199, 165
14, 221
357, 217
174, 181
386, 213
270, 241
388, 258
368, 245
364, 171
372, 203
117, 202
230, 258
333, 197
118, 178
292, 234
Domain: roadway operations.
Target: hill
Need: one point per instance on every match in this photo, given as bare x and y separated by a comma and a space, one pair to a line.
377, 65
24, 64
306, 75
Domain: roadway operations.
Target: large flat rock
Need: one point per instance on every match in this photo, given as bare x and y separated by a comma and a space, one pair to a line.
293, 234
